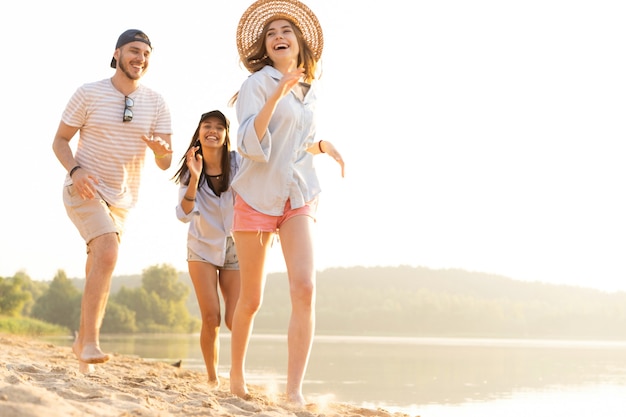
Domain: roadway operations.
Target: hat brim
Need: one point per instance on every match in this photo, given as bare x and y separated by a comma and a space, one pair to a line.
218, 114
261, 12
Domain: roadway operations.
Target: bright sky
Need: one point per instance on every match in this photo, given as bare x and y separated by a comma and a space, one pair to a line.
484, 135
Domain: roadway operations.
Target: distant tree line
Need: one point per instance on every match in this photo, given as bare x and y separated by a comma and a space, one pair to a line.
395, 301
410, 301
158, 305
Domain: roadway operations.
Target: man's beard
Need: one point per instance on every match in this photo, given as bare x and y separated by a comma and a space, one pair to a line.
131, 75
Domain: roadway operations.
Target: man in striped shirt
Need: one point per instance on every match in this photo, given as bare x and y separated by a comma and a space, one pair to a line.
119, 120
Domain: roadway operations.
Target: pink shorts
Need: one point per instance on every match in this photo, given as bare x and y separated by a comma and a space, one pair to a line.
247, 219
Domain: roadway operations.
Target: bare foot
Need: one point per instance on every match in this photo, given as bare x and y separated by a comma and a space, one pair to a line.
238, 388
91, 353
296, 399
214, 384
83, 367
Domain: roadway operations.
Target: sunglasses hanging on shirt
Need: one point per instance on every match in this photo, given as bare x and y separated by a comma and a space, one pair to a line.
128, 105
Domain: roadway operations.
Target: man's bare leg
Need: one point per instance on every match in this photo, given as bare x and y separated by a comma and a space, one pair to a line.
101, 261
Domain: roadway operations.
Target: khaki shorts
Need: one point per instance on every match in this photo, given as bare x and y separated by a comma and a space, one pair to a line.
93, 217
230, 260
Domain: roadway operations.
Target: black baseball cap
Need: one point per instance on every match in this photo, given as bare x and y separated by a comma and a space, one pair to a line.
215, 113
131, 35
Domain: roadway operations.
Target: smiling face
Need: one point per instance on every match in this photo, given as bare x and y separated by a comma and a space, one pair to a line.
281, 42
133, 59
212, 132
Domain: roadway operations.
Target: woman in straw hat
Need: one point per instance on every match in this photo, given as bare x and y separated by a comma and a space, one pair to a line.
280, 42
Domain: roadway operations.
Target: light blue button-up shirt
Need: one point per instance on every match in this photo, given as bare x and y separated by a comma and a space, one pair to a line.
277, 167
211, 219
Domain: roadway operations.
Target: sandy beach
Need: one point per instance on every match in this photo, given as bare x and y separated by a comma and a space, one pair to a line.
40, 379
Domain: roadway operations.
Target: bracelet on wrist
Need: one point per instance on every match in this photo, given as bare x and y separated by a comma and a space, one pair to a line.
189, 199
319, 144
159, 156
73, 170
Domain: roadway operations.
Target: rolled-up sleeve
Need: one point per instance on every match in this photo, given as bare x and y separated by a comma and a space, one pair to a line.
251, 100
180, 213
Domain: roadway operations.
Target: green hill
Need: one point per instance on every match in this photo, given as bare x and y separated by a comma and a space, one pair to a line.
416, 301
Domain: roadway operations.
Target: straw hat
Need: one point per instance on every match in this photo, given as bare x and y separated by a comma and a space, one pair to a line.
261, 12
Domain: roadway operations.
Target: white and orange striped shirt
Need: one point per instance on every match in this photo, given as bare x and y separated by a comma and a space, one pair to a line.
109, 147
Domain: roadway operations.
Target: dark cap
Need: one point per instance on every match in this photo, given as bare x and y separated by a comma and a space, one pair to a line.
131, 35
215, 113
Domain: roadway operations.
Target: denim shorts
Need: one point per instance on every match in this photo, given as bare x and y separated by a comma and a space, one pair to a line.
230, 260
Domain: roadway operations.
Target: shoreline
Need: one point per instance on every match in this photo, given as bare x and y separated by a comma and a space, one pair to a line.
38, 377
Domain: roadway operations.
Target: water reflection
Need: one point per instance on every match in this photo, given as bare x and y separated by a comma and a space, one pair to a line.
405, 371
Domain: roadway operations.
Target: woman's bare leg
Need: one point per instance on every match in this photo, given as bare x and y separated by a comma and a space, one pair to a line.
252, 248
296, 237
204, 277
230, 284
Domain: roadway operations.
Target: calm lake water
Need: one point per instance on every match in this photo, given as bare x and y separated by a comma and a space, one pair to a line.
427, 377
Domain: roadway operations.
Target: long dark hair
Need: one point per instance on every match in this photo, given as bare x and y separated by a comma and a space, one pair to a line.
182, 175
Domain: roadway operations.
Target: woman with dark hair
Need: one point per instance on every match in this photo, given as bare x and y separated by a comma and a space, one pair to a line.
206, 203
